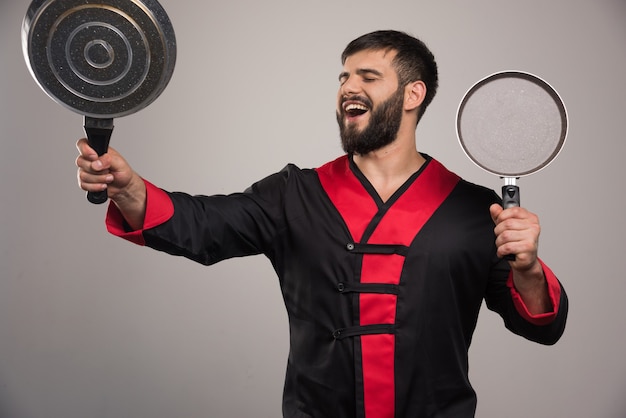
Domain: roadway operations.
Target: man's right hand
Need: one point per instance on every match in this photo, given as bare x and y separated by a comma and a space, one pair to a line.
111, 172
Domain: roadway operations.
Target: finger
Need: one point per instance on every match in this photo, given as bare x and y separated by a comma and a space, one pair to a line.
85, 150
92, 187
514, 212
510, 236
516, 218
510, 225
95, 187
99, 166
505, 248
93, 182
523, 252
524, 238
495, 211
98, 177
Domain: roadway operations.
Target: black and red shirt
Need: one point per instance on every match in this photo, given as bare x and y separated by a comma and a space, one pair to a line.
382, 297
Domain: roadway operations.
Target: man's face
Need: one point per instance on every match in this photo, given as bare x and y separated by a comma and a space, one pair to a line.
369, 102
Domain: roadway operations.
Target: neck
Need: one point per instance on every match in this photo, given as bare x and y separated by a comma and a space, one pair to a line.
390, 167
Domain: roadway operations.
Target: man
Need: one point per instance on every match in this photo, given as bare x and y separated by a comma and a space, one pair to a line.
383, 255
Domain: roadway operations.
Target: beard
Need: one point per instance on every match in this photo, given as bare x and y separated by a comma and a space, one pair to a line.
381, 130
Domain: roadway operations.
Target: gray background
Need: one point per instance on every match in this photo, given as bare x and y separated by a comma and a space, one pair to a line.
92, 326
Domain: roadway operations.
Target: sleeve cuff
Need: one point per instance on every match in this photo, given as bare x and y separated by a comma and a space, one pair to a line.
554, 292
159, 209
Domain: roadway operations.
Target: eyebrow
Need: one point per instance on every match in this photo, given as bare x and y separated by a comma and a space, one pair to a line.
361, 71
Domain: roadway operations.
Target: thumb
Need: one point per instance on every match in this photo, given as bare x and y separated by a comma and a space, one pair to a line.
495, 211
85, 150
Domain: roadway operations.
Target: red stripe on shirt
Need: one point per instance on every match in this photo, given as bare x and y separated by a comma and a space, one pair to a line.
400, 224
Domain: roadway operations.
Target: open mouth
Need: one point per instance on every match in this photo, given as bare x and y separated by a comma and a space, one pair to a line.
355, 107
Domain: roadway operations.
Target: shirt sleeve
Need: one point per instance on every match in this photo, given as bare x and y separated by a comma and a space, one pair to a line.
554, 292
159, 209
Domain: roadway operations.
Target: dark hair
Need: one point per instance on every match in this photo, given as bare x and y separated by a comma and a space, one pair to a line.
413, 60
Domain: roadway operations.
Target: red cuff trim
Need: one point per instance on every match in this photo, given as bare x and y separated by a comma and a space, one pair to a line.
159, 209
554, 291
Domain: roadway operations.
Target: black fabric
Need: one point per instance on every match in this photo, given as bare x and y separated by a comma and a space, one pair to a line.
450, 269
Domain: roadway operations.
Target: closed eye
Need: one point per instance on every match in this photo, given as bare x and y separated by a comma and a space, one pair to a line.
368, 75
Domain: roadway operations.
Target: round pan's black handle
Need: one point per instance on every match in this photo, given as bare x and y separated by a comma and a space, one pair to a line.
98, 133
510, 198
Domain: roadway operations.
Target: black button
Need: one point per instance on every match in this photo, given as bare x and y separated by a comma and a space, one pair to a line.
341, 287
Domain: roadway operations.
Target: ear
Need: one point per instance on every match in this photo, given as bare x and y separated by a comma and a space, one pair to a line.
415, 93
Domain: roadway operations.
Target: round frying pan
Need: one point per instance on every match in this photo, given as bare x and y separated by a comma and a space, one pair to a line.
103, 59
511, 124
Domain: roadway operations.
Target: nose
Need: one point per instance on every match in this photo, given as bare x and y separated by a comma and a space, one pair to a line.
350, 86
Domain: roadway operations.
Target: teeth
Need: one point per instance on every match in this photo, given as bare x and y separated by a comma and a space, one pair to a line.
355, 106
